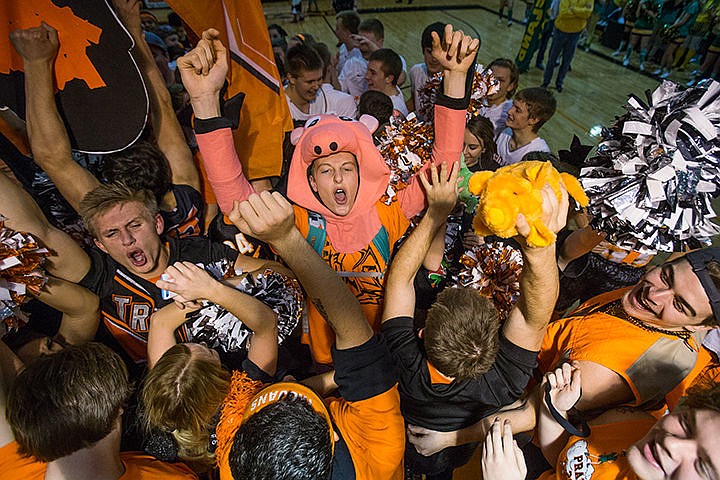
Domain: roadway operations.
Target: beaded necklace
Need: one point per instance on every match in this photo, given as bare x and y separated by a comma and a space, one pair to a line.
616, 309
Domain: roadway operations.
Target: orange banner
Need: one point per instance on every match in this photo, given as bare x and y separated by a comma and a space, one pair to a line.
75, 35
264, 117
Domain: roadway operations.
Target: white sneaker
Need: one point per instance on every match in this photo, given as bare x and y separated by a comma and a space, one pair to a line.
626, 61
657, 72
665, 74
642, 66
616, 53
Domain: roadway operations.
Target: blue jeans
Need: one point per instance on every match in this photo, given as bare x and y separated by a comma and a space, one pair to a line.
545, 37
565, 43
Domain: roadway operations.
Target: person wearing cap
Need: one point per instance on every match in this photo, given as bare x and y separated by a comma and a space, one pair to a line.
159, 51
149, 21
636, 345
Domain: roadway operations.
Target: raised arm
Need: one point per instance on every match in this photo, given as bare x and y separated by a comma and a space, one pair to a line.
167, 131
80, 318
49, 140
565, 391
456, 53
203, 72
399, 290
69, 261
270, 218
193, 283
539, 282
80, 308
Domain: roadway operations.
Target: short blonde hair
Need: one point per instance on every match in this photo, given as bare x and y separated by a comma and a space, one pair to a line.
106, 196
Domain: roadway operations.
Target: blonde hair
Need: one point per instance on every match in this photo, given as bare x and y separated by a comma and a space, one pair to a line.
182, 394
106, 196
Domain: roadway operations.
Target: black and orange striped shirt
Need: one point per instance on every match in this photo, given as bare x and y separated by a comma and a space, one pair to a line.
127, 301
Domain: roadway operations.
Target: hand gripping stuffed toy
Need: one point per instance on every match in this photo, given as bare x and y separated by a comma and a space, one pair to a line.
515, 189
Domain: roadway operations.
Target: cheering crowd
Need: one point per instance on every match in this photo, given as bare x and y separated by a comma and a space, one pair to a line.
200, 324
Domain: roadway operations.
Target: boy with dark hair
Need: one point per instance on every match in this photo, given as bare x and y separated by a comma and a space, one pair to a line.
531, 108
383, 70
346, 25
462, 366
370, 37
496, 105
286, 431
420, 73
64, 419
378, 105
305, 92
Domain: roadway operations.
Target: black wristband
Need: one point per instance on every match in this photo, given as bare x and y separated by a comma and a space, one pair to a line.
458, 103
582, 430
207, 125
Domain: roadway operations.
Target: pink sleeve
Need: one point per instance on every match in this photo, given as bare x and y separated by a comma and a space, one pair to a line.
449, 135
223, 168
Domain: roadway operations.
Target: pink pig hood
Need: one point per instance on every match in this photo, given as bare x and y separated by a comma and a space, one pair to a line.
325, 135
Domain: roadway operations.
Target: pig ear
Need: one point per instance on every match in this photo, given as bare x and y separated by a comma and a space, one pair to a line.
296, 134
369, 121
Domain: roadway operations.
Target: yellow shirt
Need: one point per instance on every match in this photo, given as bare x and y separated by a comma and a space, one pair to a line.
573, 14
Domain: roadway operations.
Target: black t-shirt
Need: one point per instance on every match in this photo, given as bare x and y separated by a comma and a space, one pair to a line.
127, 301
186, 220
361, 373
447, 407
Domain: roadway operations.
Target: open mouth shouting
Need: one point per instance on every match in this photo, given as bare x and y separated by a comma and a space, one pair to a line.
340, 196
137, 258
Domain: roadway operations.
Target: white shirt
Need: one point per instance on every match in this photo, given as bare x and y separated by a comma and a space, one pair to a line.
399, 102
343, 55
418, 78
405, 70
352, 76
497, 114
509, 157
328, 100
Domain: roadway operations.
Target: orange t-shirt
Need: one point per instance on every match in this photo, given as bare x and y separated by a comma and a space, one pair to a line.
138, 466
653, 364
374, 431
601, 456
362, 271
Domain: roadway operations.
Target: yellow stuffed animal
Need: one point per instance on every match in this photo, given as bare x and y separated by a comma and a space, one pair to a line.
515, 189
